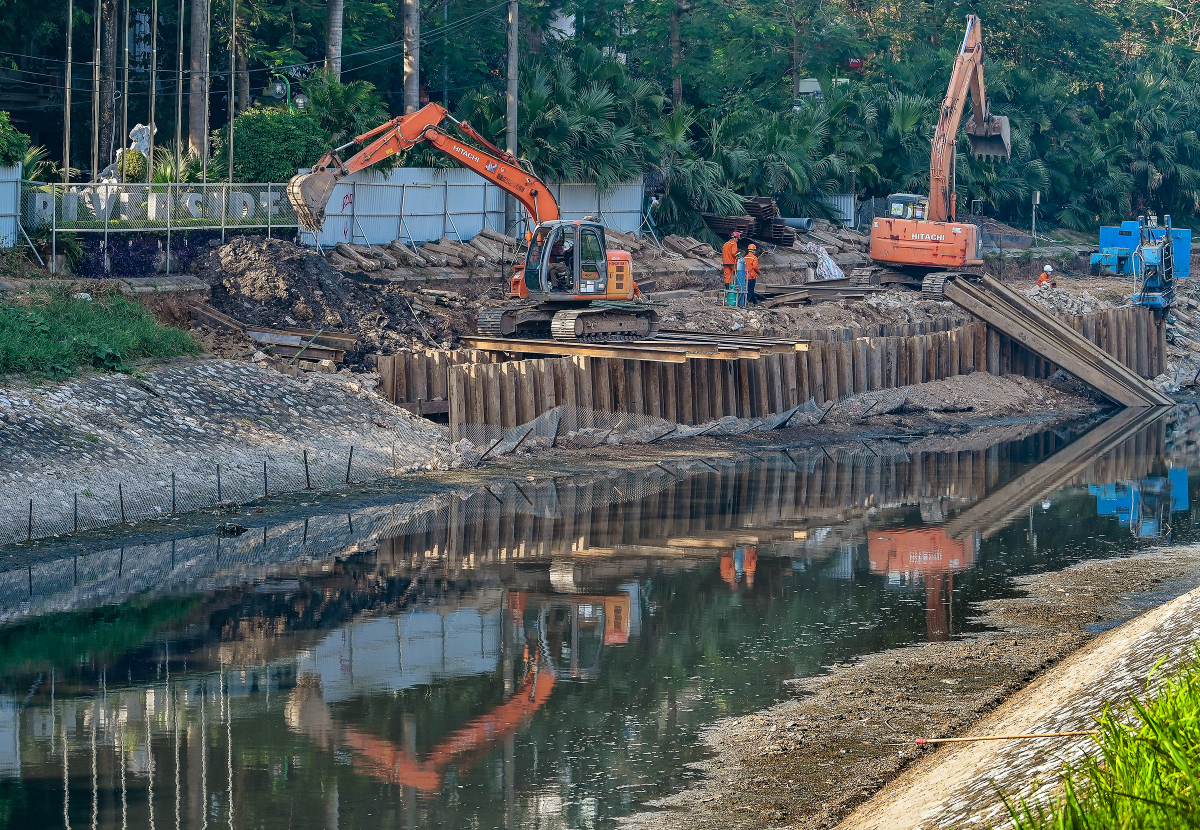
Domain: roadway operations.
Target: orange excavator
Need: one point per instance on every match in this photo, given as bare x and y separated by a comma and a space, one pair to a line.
580, 290
920, 231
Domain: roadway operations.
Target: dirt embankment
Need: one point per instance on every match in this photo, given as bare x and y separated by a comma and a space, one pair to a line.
807, 762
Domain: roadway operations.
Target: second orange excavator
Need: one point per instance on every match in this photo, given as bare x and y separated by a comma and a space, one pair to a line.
919, 231
580, 289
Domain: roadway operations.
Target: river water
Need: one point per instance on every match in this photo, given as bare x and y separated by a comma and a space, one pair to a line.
534, 654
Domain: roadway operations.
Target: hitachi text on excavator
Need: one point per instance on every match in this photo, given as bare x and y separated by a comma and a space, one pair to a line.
919, 231
578, 288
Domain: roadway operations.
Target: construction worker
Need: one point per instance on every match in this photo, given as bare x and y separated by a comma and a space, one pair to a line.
729, 256
1046, 279
751, 273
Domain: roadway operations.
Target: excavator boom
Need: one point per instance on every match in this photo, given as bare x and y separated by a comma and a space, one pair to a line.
310, 192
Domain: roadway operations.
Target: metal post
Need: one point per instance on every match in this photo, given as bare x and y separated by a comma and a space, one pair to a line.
510, 133
170, 210
207, 80
172, 493
76, 530
349, 461
96, 93
265, 493
307, 480
54, 226
219, 499
30, 537
125, 98
268, 210
67, 85
121, 492
153, 88
232, 80
445, 209
221, 207
178, 106
354, 211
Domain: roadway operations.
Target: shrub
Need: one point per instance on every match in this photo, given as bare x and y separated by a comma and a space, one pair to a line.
13, 143
269, 145
52, 333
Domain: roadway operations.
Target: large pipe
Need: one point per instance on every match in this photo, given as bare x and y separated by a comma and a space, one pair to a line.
804, 224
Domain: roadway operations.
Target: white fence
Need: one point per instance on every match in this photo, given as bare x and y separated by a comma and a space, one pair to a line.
843, 203
10, 200
425, 204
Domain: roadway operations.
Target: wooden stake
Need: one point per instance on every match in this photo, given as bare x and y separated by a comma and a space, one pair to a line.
923, 741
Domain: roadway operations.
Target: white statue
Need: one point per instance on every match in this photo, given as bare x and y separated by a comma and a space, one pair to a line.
140, 138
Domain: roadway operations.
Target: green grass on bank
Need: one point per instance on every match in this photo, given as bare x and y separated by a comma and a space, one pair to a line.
1146, 776
51, 333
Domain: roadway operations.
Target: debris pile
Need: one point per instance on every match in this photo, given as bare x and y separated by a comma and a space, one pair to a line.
1065, 302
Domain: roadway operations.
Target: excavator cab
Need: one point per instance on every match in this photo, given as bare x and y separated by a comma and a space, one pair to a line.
567, 259
908, 206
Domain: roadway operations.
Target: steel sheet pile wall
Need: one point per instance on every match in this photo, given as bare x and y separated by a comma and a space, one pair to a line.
702, 390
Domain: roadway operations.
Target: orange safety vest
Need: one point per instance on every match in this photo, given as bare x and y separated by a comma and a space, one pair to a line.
729, 252
751, 267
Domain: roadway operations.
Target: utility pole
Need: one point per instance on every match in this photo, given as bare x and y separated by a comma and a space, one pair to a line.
125, 100
179, 97
68, 81
412, 56
510, 132
153, 86
232, 78
96, 94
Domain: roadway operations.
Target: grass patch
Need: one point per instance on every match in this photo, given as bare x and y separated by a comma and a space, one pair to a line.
1147, 774
50, 333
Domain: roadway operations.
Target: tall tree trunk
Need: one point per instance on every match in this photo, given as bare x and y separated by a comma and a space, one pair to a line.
243, 79
108, 83
676, 56
333, 42
796, 63
412, 55
198, 82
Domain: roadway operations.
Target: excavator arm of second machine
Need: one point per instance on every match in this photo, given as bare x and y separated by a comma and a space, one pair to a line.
988, 134
309, 192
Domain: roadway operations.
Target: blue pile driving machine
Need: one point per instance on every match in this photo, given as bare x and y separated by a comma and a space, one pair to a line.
1153, 256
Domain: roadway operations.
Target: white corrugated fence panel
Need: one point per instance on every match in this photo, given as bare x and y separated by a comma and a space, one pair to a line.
843, 203
425, 204
10, 201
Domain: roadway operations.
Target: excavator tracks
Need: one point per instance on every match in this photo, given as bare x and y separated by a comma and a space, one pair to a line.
489, 321
605, 324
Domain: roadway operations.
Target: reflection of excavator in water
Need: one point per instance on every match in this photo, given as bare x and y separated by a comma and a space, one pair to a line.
564, 639
920, 231
581, 290
904, 553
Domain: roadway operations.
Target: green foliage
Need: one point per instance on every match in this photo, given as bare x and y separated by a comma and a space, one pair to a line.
134, 166
52, 334
344, 110
1147, 774
13, 143
269, 145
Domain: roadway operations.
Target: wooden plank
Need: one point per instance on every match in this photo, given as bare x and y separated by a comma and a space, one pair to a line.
492, 406
775, 381
475, 395
385, 364
858, 362
1143, 341
670, 394
570, 394
701, 395
684, 391
509, 394
583, 382
876, 354
652, 378
458, 401
954, 357
816, 373
549, 396
526, 394
833, 378
620, 389
666, 351
601, 383
803, 383
791, 382
635, 386
992, 351
743, 389
420, 385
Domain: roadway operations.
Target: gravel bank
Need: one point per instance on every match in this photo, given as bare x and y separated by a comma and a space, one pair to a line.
806, 763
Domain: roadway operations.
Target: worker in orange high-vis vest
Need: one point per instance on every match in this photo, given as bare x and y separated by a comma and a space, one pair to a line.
729, 256
751, 273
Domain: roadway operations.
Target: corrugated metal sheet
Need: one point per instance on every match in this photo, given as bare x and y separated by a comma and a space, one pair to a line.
425, 204
10, 201
844, 203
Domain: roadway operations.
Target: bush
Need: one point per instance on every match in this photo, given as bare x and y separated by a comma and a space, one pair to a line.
52, 334
135, 166
13, 143
269, 145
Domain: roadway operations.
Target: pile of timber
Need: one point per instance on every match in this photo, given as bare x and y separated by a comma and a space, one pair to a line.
767, 224
308, 350
488, 249
688, 247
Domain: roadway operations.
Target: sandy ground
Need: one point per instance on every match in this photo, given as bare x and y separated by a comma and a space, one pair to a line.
806, 763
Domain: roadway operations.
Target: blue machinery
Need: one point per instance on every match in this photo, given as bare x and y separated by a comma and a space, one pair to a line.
1145, 506
1140, 249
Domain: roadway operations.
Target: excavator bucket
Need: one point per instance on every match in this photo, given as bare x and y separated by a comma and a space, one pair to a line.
309, 194
991, 140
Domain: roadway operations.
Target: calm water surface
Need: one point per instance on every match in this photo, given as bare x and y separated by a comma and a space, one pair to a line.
531, 654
